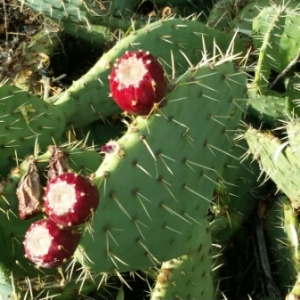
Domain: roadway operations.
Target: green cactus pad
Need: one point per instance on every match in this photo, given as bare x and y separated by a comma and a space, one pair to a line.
94, 35
293, 134
282, 225
187, 277
156, 190
267, 30
292, 85
274, 37
273, 28
74, 10
8, 289
236, 198
221, 15
236, 195
269, 109
277, 160
25, 118
124, 7
289, 43
244, 19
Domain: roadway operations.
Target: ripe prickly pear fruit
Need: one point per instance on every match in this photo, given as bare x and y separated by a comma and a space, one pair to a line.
70, 199
49, 245
137, 81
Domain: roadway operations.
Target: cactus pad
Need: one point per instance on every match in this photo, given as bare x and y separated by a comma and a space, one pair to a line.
157, 189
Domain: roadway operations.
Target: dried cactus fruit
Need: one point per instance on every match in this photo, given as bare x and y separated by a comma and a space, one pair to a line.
29, 192
58, 163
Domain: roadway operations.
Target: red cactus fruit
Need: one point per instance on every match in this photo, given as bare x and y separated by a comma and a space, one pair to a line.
49, 245
137, 81
70, 199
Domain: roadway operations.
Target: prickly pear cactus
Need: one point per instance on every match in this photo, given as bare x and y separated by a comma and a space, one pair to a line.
188, 276
277, 159
283, 20
144, 182
282, 235
170, 182
25, 118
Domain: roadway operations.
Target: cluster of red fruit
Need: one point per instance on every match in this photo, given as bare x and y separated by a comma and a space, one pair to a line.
69, 200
